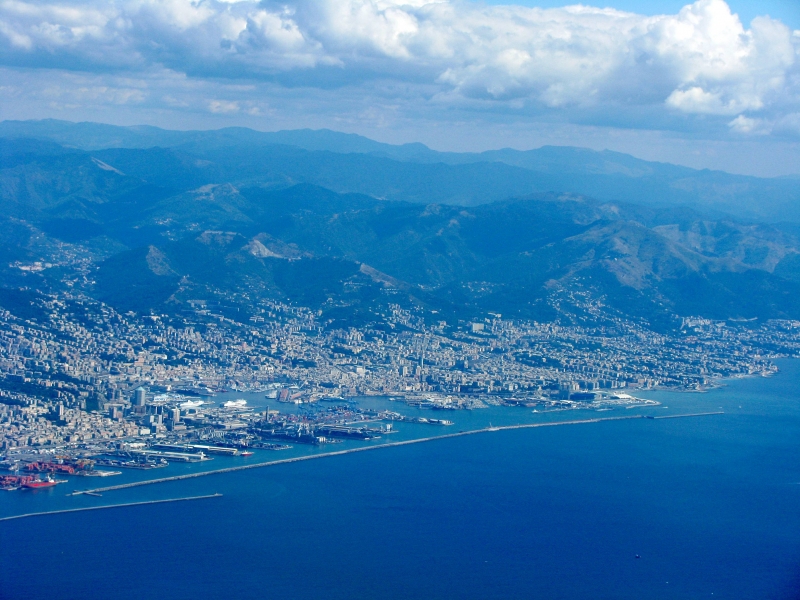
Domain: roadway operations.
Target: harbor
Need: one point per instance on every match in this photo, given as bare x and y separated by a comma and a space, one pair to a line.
228, 430
349, 495
388, 445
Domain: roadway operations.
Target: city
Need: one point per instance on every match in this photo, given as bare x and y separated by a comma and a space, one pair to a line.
137, 389
399, 299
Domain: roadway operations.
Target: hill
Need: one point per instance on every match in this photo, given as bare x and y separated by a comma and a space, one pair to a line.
154, 229
412, 172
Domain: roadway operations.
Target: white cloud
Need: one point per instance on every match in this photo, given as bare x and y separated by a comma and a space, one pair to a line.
697, 100
223, 106
699, 61
747, 125
15, 38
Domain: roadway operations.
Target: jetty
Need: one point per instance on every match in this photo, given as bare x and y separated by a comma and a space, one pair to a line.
446, 436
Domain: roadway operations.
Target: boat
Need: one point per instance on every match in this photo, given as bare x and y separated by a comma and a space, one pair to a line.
196, 392
246, 453
38, 484
235, 404
191, 404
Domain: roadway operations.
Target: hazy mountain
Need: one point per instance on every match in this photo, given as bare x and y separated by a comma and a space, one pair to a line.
307, 244
98, 136
412, 172
502, 256
154, 228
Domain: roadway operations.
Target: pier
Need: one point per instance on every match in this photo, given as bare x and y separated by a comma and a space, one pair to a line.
380, 446
73, 510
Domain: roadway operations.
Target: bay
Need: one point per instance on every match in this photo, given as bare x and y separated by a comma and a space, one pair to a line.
709, 504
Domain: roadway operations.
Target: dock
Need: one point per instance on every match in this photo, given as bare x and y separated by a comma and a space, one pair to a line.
189, 457
195, 449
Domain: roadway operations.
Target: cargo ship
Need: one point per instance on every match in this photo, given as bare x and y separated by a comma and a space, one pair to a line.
37, 484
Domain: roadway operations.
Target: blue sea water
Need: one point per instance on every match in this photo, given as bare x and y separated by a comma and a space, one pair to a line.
710, 504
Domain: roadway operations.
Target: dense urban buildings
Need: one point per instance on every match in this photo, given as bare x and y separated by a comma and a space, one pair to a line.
87, 373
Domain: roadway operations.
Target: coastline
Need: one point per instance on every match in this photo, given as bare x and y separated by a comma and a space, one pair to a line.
379, 446
722, 382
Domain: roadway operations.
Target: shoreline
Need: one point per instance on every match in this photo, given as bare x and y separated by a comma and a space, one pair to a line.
377, 447
722, 382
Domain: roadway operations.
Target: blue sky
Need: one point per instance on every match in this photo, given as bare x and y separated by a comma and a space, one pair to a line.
707, 84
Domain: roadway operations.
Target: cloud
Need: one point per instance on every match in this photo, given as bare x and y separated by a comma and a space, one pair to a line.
701, 61
697, 100
747, 125
223, 106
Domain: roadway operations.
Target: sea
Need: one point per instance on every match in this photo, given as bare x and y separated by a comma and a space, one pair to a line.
686, 508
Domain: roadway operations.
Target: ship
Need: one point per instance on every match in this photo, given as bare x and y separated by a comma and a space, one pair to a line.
196, 391
37, 484
235, 404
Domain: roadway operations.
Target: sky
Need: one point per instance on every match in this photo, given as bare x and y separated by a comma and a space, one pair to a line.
708, 84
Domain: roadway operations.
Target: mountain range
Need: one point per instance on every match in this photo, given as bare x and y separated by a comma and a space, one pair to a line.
152, 219
412, 172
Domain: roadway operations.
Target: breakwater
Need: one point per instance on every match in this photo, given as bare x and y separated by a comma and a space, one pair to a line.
377, 447
703, 414
72, 510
